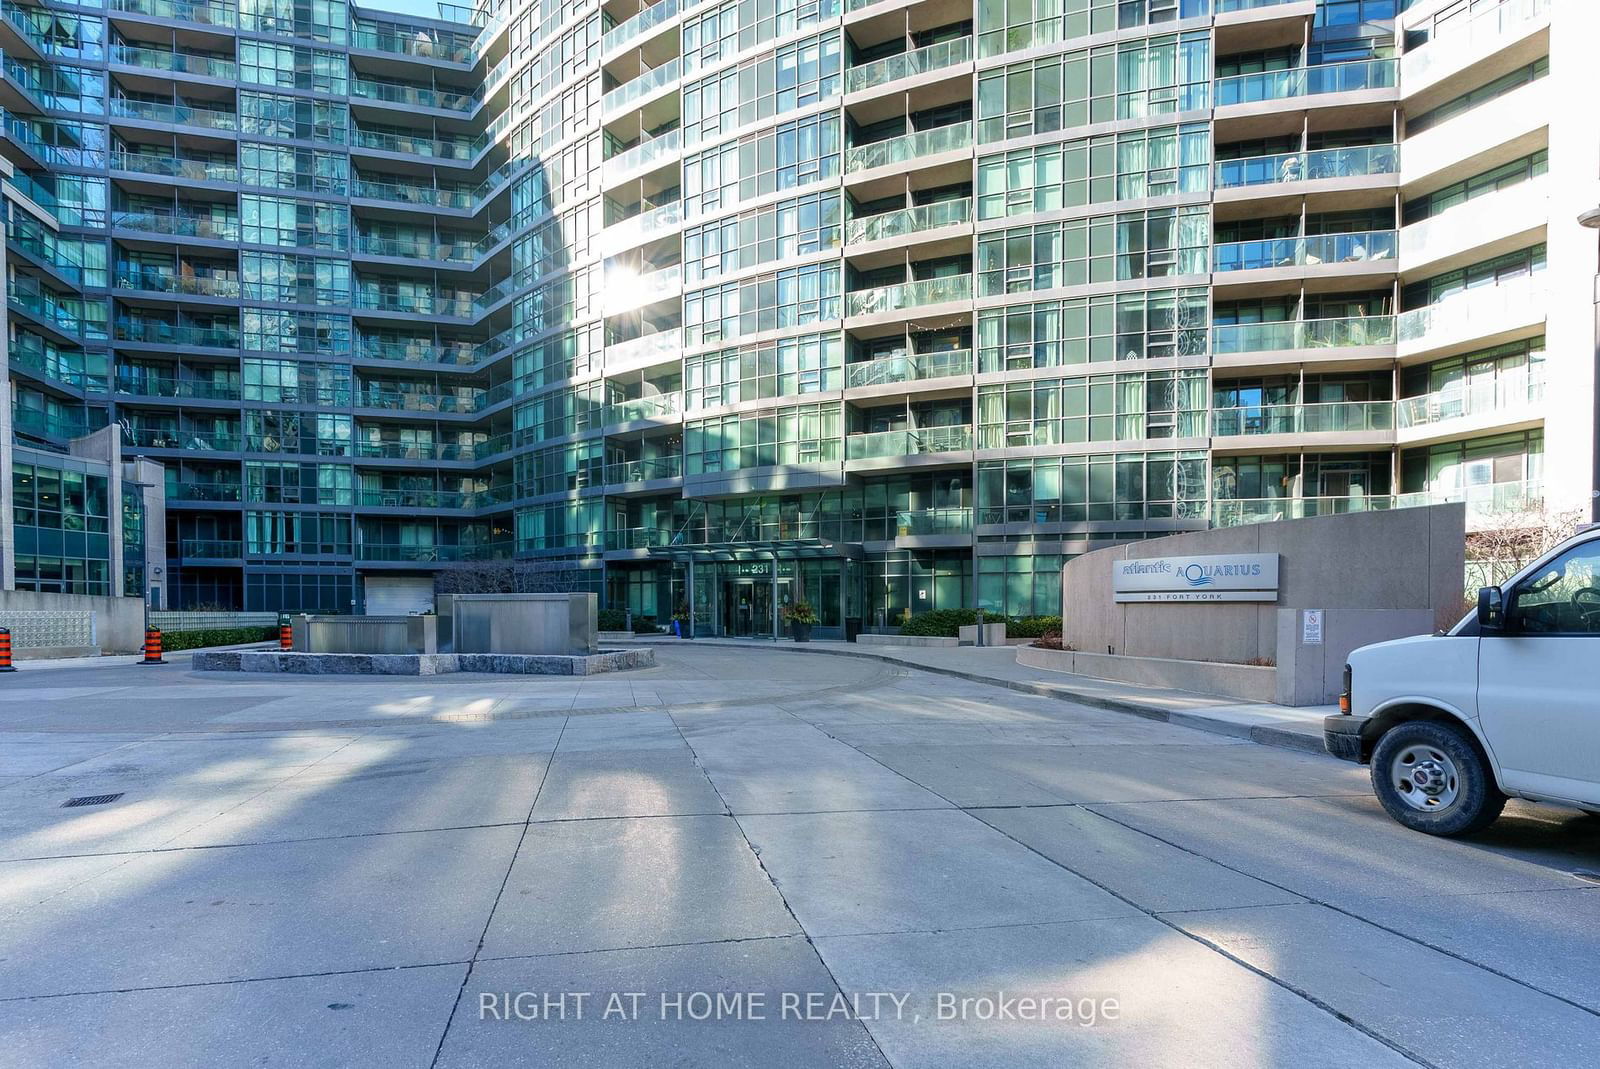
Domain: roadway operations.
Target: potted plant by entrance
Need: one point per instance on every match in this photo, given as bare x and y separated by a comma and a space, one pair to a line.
680, 621
800, 617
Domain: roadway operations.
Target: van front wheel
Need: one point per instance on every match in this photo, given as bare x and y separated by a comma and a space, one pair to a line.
1432, 778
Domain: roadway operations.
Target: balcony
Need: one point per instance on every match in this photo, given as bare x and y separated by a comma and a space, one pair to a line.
638, 471
1488, 225
1468, 40
1499, 400
147, 332
644, 351
413, 96
1295, 334
208, 12
651, 152
908, 367
155, 280
1237, 512
928, 291
626, 291
373, 551
48, 423
418, 248
167, 386
174, 167
1473, 318
1305, 81
195, 440
1372, 245
163, 59
1320, 165
1488, 504
652, 407
412, 193
1331, 417
461, 149
198, 491
211, 549
641, 227
934, 522
466, 401
179, 224
174, 114
630, 93
908, 147
918, 61
642, 23
905, 221
907, 443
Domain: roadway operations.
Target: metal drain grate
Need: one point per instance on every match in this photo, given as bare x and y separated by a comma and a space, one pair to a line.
91, 799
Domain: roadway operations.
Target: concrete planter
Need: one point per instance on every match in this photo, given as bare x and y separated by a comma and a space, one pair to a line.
993, 634
905, 640
800, 632
1243, 681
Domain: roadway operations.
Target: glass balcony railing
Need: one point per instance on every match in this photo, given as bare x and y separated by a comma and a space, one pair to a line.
208, 12
636, 89
646, 153
1305, 81
654, 406
175, 114
1302, 334
433, 499
418, 248
638, 471
908, 147
909, 295
1312, 166
147, 332
154, 280
642, 226
1489, 26
1485, 502
642, 23
179, 62
954, 521
918, 61
1236, 512
908, 367
455, 148
637, 537
906, 443
647, 348
375, 551
625, 290
905, 221
167, 386
195, 440
422, 449
415, 96
197, 491
411, 193
1479, 310
1303, 418
1303, 252
468, 400
174, 167
211, 548
1224, 7
1505, 393
419, 41
183, 224
48, 423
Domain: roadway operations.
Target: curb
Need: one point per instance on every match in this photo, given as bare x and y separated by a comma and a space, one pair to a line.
1261, 734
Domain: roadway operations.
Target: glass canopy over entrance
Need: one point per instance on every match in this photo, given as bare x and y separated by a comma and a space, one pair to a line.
740, 589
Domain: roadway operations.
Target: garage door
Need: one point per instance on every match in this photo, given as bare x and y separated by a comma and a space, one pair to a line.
397, 595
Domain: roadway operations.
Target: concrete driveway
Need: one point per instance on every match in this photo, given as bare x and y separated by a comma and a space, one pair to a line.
744, 858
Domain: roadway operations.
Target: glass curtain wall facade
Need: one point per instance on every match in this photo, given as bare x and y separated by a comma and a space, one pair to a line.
888, 306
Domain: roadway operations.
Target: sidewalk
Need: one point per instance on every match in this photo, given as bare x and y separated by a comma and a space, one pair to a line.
39, 664
1271, 725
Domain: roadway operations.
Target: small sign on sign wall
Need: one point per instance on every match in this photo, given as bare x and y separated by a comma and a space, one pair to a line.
1311, 627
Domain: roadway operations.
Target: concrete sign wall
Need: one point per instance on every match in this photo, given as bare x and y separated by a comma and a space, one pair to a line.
1221, 577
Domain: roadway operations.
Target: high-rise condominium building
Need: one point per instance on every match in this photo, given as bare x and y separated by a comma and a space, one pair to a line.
884, 305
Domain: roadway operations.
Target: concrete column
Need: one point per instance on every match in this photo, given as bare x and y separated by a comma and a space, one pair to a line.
105, 445
1574, 259
8, 562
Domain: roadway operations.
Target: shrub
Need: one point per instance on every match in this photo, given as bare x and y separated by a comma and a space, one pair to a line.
1033, 626
943, 623
613, 619
645, 625
216, 636
1051, 640
800, 612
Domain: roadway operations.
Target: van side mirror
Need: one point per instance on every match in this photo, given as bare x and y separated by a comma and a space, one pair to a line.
1491, 609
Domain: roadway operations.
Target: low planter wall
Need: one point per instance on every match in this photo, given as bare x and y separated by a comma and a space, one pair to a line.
1244, 681
905, 640
993, 634
422, 664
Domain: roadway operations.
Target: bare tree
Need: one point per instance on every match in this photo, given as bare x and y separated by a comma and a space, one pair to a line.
1513, 539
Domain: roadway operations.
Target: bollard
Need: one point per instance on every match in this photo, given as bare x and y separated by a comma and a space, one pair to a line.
628, 621
980, 627
152, 646
5, 650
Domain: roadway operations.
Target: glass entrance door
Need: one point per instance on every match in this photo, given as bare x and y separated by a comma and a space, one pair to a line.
747, 608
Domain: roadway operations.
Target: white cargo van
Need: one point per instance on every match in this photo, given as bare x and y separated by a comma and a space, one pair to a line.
1507, 703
